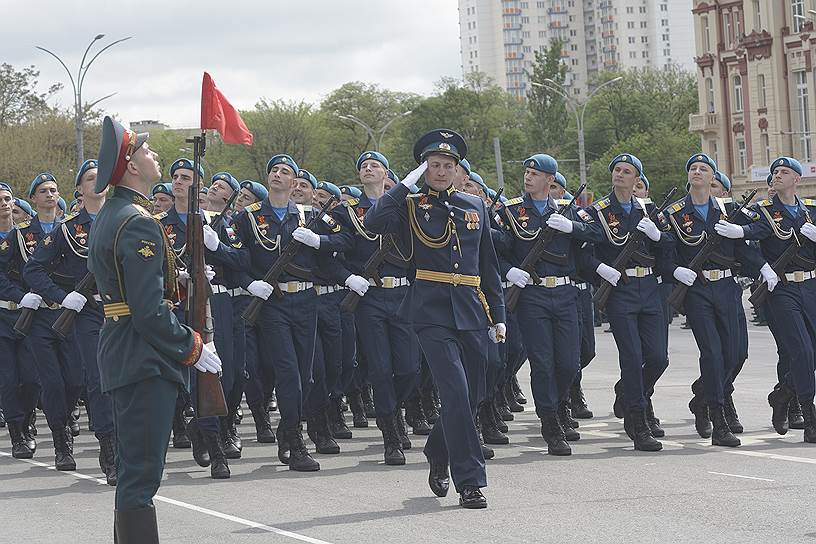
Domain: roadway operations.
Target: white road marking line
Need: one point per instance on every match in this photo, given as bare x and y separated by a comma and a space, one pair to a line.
741, 476
775, 456
592, 425
188, 506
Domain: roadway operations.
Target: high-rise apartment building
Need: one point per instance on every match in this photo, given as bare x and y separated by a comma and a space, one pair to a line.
500, 37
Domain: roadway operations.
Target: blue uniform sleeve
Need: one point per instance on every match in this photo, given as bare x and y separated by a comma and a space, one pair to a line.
244, 234
37, 270
490, 283
390, 213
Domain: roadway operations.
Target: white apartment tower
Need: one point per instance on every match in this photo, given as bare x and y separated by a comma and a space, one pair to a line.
499, 37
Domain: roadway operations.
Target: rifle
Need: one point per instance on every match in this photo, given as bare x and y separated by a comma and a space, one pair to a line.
23, 324
64, 324
496, 201
678, 295
283, 262
220, 217
601, 295
790, 255
538, 252
209, 393
370, 270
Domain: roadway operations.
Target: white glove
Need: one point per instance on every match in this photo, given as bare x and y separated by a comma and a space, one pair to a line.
808, 230
358, 284
729, 230
518, 277
497, 333
208, 361
32, 301
414, 175
608, 273
209, 272
260, 289
74, 301
648, 227
183, 276
560, 223
769, 276
210, 238
684, 275
307, 237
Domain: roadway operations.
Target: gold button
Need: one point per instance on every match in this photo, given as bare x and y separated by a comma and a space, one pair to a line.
455, 265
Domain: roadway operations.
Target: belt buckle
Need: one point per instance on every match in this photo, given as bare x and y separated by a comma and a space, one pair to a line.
640, 271
714, 275
292, 286
456, 278
388, 282
13, 306
550, 281
799, 276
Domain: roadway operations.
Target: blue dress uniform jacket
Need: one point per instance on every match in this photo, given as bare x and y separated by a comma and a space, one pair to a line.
16, 250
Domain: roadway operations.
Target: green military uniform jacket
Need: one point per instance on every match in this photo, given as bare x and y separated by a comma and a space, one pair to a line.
141, 337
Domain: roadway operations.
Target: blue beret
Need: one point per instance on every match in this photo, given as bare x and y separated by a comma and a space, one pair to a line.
77, 194
645, 180
542, 163
204, 189
627, 157
226, 176
165, 188
308, 176
72, 204
392, 176
25, 206
351, 191
787, 162
39, 180
282, 159
561, 180
769, 180
723, 179
701, 157
255, 188
187, 164
87, 165
474, 176
491, 194
62, 205
373, 155
5, 187
329, 187
465, 165
440, 140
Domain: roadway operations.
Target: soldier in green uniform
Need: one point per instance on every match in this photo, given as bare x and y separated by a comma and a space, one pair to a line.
144, 353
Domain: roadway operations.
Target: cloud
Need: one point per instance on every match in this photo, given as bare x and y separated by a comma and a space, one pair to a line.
273, 49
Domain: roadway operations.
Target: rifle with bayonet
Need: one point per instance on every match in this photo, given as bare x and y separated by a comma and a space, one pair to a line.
537, 253
708, 251
626, 254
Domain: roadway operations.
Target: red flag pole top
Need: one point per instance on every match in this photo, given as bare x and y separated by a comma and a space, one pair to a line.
217, 113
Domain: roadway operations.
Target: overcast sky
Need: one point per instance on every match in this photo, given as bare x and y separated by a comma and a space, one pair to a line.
264, 48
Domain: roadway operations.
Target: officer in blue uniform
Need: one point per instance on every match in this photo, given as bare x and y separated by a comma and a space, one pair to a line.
58, 264
783, 221
386, 339
634, 309
456, 297
19, 385
713, 302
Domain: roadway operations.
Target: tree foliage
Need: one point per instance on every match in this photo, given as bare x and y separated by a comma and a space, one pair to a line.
19, 100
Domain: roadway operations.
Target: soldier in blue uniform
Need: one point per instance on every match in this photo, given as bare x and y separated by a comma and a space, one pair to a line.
386, 339
144, 352
634, 309
22, 211
456, 297
304, 188
251, 192
162, 194
19, 385
713, 302
58, 264
786, 220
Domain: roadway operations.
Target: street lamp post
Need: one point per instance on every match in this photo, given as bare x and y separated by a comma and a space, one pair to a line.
76, 84
557, 88
371, 132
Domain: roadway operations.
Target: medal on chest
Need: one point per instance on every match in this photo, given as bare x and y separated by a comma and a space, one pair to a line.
777, 217
472, 219
687, 222
80, 234
522, 215
613, 222
30, 242
4, 245
171, 233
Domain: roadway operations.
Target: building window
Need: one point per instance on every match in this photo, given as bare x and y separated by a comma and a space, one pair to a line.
757, 15
738, 25
706, 34
737, 94
630, 24
631, 39
727, 29
741, 158
643, 24
806, 146
763, 97
765, 145
709, 84
714, 151
798, 14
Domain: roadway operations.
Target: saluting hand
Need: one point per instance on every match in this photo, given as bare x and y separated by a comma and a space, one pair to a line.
414, 175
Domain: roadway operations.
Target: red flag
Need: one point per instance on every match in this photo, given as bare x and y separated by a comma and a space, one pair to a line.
218, 113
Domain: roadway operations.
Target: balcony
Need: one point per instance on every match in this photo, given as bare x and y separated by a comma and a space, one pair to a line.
704, 122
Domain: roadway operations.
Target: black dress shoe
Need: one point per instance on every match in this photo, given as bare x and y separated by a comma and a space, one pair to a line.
553, 433
472, 498
702, 420
510, 396
357, 410
731, 416
520, 398
578, 404
653, 422
439, 478
779, 399
617, 406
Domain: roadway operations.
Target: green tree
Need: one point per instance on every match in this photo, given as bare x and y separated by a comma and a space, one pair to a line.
549, 116
19, 100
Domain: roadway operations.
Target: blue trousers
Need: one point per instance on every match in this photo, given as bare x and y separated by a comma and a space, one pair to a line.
328, 360
457, 360
390, 347
86, 330
794, 314
348, 333
19, 384
548, 319
230, 343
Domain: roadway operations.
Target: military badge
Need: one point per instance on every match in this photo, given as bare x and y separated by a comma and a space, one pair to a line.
444, 146
424, 204
522, 212
146, 251
47, 240
777, 216
612, 220
4, 245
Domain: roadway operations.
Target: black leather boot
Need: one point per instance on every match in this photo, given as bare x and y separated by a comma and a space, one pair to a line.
566, 422
19, 448
578, 403
73, 421
702, 420
393, 454
357, 410
299, 458
263, 425
721, 435
795, 419
553, 434
641, 433
318, 430
271, 402
652, 421
439, 477
228, 432
136, 526
402, 432
180, 438
415, 416
107, 458
487, 419
779, 399
501, 425
30, 426
283, 445
731, 415
520, 398
63, 449
505, 414
219, 468
809, 415
510, 398
472, 498
368, 401
337, 421
200, 453
617, 406
429, 405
